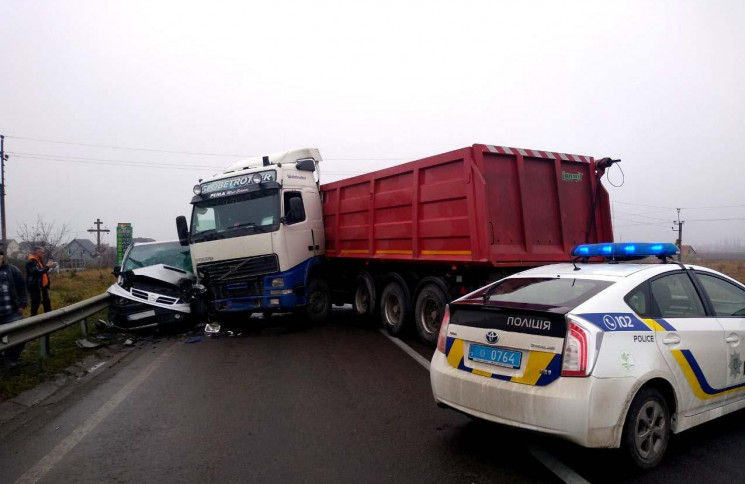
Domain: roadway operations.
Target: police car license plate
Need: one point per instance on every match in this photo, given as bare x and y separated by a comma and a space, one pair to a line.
495, 356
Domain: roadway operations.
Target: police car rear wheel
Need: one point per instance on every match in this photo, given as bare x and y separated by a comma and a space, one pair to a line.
647, 429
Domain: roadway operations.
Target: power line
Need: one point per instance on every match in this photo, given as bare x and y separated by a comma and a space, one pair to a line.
129, 148
90, 145
62, 158
93, 161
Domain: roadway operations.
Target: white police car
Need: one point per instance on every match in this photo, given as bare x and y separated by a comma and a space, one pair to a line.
602, 354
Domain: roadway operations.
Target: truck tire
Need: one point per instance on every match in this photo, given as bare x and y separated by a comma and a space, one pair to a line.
646, 431
318, 305
428, 312
394, 306
364, 302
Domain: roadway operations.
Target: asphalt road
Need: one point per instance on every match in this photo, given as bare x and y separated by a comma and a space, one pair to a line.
333, 403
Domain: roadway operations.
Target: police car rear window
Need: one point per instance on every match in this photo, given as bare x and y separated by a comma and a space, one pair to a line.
548, 292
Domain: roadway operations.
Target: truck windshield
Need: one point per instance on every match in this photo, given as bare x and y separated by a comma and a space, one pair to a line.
244, 214
168, 253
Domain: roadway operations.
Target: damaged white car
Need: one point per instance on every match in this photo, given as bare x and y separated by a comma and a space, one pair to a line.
154, 287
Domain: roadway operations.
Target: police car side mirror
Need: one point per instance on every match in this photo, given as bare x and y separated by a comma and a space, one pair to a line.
117, 271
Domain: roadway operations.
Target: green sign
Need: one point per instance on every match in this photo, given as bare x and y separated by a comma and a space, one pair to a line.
566, 176
123, 240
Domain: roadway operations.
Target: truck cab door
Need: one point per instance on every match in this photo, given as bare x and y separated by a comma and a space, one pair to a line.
303, 239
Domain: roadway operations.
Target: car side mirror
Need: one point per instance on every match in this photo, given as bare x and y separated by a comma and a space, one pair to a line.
183, 230
117, 271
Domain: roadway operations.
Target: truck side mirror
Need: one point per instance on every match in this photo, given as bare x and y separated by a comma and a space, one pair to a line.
183, 230
117, 271
307, 164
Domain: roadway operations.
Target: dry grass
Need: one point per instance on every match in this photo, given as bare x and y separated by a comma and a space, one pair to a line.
733, 268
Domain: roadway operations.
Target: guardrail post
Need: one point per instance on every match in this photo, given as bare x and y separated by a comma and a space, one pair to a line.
44, 346
84, 327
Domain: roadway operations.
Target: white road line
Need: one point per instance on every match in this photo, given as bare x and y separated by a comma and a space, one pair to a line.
44, 465
557, 467
419, 358
552, 463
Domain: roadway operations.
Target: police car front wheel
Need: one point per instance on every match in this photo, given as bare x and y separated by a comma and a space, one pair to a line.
647, 429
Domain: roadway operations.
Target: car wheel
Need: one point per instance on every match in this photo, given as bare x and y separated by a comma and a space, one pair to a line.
428, 312
319, 301
364, 296
646, 431
394, 307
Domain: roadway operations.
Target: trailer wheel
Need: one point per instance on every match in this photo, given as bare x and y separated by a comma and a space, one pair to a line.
319, 301
364, 296
428, 312
394, 306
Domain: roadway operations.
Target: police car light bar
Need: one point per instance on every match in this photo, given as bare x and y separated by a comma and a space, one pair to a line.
626, 249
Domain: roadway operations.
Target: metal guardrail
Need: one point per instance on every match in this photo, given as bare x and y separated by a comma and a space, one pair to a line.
25, 330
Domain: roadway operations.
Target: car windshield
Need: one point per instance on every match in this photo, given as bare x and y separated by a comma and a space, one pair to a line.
235, 216
168, 253
547, 292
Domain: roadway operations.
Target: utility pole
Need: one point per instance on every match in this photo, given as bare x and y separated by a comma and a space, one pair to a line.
679, 242
3, 158
98, 231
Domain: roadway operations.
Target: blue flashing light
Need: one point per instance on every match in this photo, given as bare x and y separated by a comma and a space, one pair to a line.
625, 249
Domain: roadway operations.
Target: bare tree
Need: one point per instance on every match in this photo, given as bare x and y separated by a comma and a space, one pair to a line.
44, 234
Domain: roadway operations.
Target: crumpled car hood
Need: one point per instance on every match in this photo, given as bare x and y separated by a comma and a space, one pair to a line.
164, 273
143, 290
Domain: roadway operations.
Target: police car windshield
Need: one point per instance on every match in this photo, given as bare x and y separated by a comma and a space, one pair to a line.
168, 253
235, 216
543, 292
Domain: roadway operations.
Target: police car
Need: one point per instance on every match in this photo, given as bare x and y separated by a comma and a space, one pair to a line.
603, 354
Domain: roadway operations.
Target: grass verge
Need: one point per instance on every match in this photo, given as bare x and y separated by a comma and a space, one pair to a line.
66, 288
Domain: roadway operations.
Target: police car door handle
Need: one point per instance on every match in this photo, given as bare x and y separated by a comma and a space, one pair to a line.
733, 338
671, 339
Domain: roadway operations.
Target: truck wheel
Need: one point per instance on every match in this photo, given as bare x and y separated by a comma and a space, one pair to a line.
319, 301
646, 431
364, 296
428, 312
394, 306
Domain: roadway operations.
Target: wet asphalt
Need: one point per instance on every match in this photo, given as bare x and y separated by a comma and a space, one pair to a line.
281, 402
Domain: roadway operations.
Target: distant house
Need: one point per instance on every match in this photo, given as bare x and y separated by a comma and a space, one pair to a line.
13, 250
79, 254
688, 253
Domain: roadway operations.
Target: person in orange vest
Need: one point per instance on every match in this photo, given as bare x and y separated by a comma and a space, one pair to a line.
37, 280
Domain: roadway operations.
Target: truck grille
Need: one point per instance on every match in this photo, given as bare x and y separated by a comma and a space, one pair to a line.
238, 269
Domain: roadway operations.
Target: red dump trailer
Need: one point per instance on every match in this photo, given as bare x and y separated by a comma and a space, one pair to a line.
406, 240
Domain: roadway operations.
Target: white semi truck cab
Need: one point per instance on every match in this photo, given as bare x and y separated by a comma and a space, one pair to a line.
256, 235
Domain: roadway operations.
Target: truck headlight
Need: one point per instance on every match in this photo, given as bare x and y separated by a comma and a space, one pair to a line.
278, 282
197, 189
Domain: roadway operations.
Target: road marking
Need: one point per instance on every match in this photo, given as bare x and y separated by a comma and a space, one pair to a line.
419, 358
47, 462
552, 463
557, 467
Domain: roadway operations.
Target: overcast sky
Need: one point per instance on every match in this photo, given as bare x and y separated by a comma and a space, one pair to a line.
660, 85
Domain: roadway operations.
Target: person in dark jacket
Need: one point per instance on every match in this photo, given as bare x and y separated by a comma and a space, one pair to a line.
37, 280
12, 303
